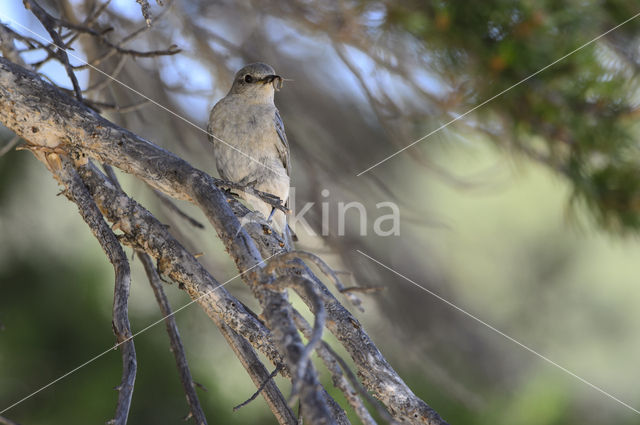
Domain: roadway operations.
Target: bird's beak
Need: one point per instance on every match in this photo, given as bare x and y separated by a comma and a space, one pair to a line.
274, 79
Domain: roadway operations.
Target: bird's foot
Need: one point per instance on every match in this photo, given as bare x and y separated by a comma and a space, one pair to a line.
273, 210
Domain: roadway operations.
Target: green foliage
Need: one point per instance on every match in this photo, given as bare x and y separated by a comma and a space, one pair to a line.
584, 107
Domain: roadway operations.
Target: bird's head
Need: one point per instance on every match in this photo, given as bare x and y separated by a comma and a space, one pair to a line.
257, 79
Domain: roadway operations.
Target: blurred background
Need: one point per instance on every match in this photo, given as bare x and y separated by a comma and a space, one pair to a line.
525, 213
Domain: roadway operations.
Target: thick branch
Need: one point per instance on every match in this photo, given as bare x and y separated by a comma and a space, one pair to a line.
279, 314
78, 193
376, 373
54, 118
144, 231
304, 361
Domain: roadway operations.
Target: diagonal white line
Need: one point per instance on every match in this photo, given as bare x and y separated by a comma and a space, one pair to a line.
548, 360
497, 95
130, 338
143, 96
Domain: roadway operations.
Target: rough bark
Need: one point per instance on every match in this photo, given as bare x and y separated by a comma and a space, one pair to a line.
77, 192
52, 121
143, 231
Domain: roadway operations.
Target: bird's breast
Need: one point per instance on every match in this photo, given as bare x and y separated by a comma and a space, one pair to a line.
245, 142
241, 124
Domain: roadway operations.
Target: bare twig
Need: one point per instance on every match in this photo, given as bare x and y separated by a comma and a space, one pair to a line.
8, 36
173, 207
282, 260
116, 48
10, 145
330, 359
94, 15
7, 45
195, 410
259, 375
108, 107
108, 80
111, 173
260, 388
49, 22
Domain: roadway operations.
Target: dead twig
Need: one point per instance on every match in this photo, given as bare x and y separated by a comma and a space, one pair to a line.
15, 140
142, 230
109, 107
283, 261
173, 207
8, 48
195, 410
113, 75
260, 388
49, 23
329, 358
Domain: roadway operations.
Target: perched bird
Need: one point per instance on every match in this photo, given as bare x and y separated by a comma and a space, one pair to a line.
250, 144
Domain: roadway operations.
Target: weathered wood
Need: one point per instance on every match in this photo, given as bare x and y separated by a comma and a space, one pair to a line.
48, 119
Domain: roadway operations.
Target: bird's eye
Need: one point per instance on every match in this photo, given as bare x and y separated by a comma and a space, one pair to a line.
248, 78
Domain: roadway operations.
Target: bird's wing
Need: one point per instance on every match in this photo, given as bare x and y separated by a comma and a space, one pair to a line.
213, 130
283, 148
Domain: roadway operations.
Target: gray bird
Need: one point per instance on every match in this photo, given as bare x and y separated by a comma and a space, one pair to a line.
249, 141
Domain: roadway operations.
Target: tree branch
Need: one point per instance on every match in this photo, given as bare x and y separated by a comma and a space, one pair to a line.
376, 373
143, 231
56, 121
259, 375
77, 192
330, 359
174, 337
305, 285
48, 22
260, 388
